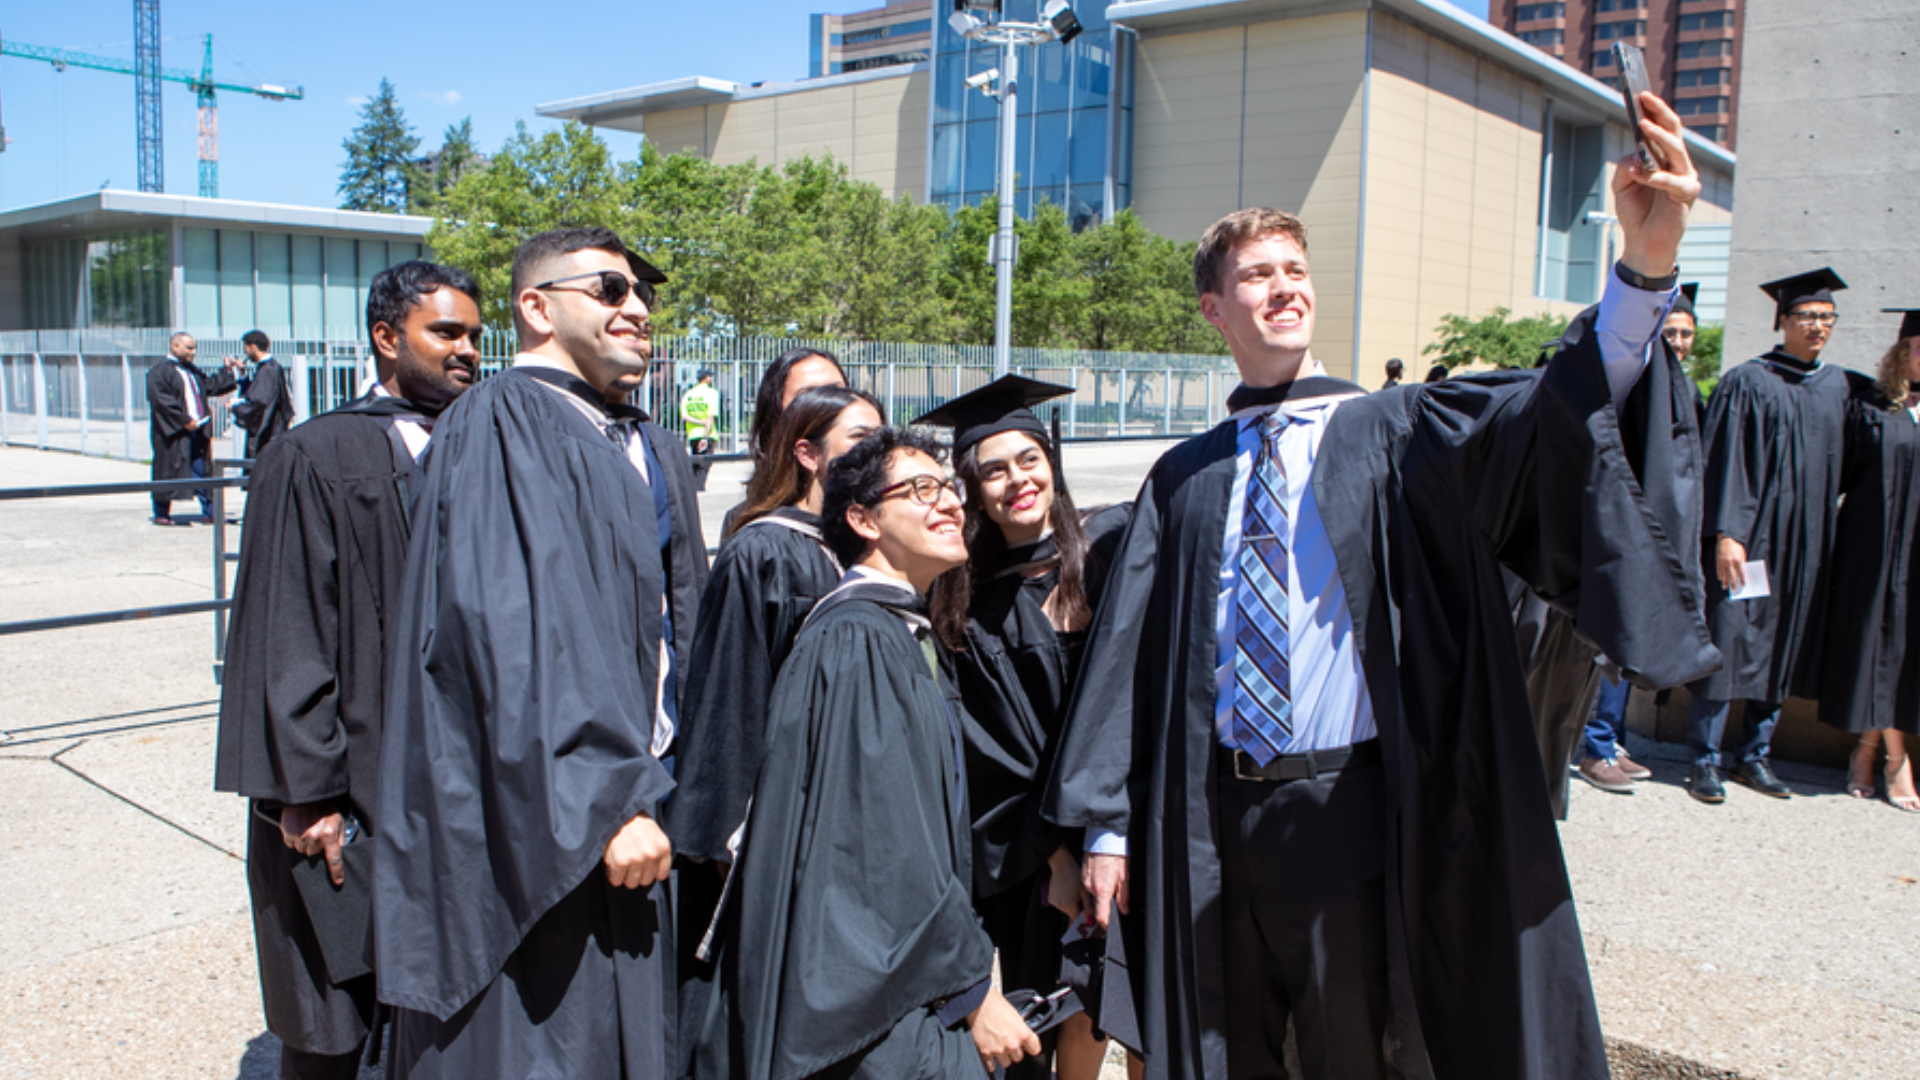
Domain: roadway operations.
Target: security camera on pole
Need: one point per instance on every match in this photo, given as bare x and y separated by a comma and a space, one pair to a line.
979, 20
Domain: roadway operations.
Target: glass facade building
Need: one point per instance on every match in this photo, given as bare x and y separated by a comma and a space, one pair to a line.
1074, 126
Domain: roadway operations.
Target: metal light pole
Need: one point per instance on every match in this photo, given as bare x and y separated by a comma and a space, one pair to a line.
1003, 84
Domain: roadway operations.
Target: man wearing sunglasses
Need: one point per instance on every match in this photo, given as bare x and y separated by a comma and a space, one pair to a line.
1773, 433
849, 946
521, 892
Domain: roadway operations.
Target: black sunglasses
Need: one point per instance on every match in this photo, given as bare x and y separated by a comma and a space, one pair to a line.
614, 287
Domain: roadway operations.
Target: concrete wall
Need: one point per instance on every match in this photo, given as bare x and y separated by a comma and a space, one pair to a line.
877, 127
1267, 114
1829, 152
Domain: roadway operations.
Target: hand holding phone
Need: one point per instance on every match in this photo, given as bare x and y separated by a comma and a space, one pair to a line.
1632, 65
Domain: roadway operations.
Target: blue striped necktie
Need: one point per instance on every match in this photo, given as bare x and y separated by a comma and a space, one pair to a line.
1262, 684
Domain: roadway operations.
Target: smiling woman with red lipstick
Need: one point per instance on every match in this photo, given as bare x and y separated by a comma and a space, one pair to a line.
1014, 619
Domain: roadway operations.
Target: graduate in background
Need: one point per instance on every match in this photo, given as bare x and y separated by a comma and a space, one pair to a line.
1869, 677
521, 911
317, 597
1014, 620
1773, 435
849, 946
263, 407
792, 372
1302, 711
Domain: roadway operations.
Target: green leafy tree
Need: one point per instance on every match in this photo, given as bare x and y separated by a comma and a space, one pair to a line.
458, 156
1703, 363
1496, 338
535, 183
1139, 295
380, 174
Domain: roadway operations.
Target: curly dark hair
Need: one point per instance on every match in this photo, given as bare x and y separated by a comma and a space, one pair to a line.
857, 477
398, 288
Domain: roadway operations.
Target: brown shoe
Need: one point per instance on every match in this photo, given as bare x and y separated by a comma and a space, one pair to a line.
1633, 769
1606, 776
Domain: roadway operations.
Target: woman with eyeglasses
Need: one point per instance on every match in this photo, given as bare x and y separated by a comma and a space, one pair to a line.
791, 373
1013, 620
1869, 676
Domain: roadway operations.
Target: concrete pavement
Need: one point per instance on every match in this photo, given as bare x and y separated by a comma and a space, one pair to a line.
1757, 939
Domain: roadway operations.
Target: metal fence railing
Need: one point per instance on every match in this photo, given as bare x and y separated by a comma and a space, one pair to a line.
85, 391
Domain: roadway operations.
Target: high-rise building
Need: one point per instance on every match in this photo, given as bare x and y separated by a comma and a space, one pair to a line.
1692, 47
899, 33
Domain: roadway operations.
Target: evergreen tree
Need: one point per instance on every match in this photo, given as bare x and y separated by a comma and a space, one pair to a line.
380, 174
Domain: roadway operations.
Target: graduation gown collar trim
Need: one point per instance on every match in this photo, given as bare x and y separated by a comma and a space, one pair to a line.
1307, 388
1778, 357
573, 384
860, 584
376, 403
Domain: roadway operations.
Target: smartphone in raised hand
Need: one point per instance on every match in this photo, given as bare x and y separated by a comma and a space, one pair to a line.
1631, 63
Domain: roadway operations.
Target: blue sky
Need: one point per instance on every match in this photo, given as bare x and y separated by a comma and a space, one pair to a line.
71, 132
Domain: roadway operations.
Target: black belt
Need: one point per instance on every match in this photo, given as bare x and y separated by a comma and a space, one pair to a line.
1307, 766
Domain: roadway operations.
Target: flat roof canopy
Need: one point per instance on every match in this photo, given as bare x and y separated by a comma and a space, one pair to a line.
112, 211
626, 110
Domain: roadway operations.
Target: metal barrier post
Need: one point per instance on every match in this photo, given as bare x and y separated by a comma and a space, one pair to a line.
1210, 420
1073, 403
40, 400
6, 426
890, 411
219, 573
80, 365
302, 387
1121, 429
1166, 406
126, 404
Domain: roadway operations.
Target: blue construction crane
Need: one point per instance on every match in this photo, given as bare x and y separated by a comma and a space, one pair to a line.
148, 74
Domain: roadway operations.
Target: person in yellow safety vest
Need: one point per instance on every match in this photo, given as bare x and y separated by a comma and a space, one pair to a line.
700, 413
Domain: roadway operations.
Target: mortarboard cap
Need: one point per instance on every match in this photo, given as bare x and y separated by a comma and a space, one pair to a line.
1002, 405
1909, 321
1813, 285
1689, 295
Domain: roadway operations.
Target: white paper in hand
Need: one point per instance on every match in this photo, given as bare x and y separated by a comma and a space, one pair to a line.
1756, 586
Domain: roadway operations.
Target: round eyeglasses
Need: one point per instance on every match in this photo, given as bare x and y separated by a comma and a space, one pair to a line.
924, 489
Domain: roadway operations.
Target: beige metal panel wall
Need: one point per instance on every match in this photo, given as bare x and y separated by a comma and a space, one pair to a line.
878, 128
1267, 114
1453, 193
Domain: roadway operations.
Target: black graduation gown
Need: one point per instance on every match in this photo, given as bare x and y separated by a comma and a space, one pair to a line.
300, 698
1868, 678
1425, 492
849, 912
263, 408
519, 741
1773, 438
174, 447
765, 580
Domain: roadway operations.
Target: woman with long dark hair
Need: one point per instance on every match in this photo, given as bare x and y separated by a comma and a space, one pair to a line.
765, 579
1014, 620
1870, 673
791, 373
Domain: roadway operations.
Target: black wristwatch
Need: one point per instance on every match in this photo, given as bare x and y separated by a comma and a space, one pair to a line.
1642, 281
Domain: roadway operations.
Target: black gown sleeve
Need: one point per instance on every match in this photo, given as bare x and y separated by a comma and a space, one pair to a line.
1597, 509
281, 734
1736, 457
165, 402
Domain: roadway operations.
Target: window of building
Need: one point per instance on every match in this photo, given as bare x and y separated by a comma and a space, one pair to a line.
867, 63
1603, 58
1713, 132
1620, 5
1703, 106
1610, 30
1542, 38
119, 279
1573, 179
859, 36
1534, 12
1707, 20
1694, 50
1704, 77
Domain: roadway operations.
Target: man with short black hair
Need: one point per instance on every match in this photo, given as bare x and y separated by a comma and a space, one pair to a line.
179, 421
850, 947
520, 884
301, 699
264, 408
1774, 432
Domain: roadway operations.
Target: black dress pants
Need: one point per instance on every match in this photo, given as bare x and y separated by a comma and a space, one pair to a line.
1303, 891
